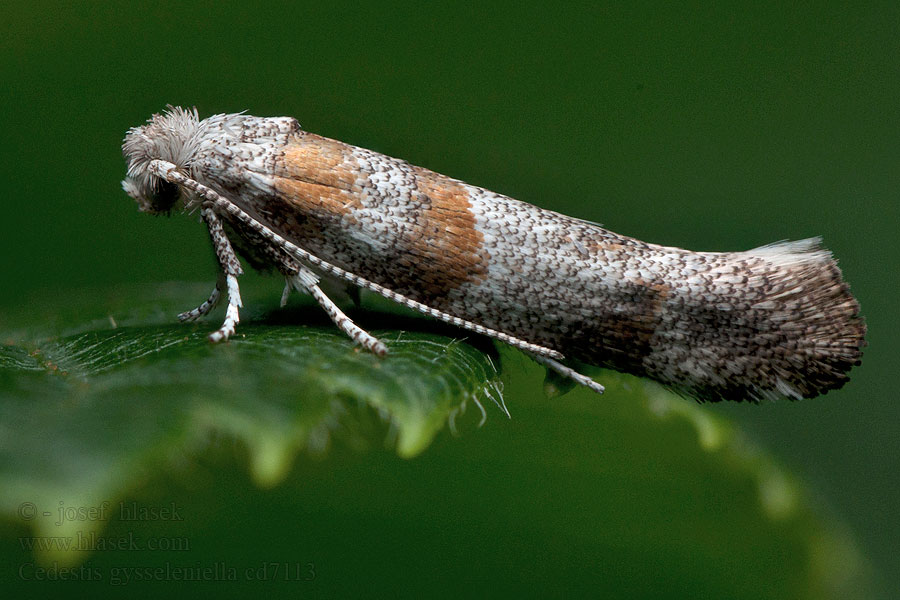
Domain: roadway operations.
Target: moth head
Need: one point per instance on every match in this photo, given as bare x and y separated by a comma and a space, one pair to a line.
172, 136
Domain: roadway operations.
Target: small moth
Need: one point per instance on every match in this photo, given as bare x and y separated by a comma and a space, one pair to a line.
769, 322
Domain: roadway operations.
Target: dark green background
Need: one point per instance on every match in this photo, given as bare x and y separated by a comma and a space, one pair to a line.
693, 125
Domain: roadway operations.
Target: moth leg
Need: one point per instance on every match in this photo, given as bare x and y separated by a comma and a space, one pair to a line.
206, 307
230, 266
567, 372
285, 293
307, 281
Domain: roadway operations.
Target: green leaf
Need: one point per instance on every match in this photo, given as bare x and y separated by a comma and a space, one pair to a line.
287, 446
119, 401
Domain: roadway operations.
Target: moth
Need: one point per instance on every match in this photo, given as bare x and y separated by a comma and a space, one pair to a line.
774, 321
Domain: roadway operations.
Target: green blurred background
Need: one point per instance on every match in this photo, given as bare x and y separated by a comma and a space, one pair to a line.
688, 124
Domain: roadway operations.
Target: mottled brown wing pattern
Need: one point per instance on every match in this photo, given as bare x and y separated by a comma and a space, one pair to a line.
772, 321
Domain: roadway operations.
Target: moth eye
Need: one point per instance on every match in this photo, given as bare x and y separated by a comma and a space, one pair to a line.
163, 196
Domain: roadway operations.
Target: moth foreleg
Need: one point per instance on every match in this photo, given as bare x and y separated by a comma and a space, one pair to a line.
207, 306
230, 266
